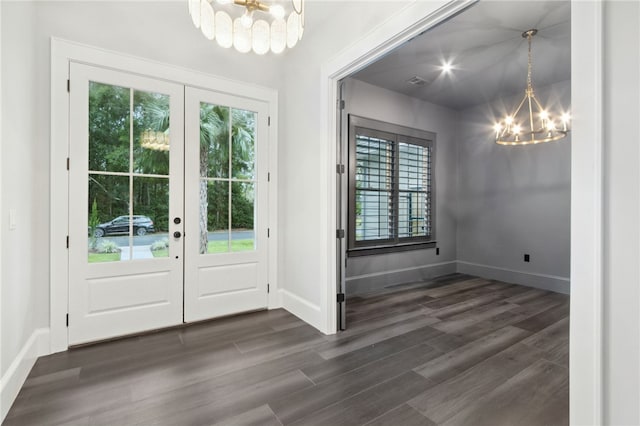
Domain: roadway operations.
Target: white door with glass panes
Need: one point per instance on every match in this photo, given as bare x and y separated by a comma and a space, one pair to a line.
131, 202
226, 198
125, 192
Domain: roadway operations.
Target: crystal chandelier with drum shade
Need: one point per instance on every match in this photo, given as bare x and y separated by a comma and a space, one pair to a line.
250, 25
530, 123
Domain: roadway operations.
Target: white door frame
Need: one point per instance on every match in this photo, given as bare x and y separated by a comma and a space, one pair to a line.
586, 179
62, 54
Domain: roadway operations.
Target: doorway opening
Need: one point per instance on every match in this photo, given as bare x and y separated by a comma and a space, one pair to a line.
489, 206
586, 182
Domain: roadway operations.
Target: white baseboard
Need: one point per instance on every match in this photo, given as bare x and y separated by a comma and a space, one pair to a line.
369, 282
529, 279
301, 308
11, 382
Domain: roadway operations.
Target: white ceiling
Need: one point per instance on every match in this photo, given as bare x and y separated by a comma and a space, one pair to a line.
486, 48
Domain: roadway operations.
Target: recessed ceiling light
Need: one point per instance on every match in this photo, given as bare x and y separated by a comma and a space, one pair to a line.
446, 67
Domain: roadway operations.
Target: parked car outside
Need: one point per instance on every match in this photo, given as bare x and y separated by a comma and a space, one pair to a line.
120, 225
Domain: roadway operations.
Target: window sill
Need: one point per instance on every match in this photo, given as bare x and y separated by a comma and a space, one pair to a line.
395, 248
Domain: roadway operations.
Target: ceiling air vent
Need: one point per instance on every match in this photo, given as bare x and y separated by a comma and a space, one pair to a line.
416, 81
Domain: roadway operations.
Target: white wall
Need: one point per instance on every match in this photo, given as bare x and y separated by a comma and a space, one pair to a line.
375, 271
301, 239
621, 213
24, 252
142, 29
160, 31
514, 200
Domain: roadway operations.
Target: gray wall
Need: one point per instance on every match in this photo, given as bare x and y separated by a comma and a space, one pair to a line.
493, 203
514, 200
365, 273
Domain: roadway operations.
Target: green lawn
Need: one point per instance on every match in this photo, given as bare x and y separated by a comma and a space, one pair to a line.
103, 257
236, 245
217, 247
160, 253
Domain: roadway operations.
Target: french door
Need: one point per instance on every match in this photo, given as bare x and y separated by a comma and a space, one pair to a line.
226, 191
163, 229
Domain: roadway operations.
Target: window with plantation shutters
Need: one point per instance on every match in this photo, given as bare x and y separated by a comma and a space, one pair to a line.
390, 186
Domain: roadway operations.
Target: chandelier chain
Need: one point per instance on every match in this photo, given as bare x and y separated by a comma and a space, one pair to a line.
529, 84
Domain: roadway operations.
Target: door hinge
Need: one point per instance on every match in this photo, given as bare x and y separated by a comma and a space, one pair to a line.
341, 104
267, 288
268, 233
339, 233
68, 163
340, 168
269, 121
67, 320
68, 85
340, 297
269, 177
67, 241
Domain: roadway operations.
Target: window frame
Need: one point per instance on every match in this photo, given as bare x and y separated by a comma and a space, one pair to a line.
397, 134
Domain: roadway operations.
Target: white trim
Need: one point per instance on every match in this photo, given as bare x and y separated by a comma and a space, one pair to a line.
585, 337
586, 177
1, 209
275, 300
62, 53
301, 308
397, 271
365, 283
407, 23
529, 279
59, 189
12, 380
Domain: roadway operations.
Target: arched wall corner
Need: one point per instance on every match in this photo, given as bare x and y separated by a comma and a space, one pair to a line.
586, 174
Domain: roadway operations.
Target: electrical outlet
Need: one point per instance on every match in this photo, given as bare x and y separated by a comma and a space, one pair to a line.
526, 257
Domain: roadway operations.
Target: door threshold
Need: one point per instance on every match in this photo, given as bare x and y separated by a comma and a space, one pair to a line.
162, 329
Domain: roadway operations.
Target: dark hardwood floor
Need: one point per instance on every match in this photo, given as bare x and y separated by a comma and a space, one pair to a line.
455, 351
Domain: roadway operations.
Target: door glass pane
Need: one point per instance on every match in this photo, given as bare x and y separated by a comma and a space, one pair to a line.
214, 216
227, 139
242, 216
108, 128
108, 218
128, 200
151, 133
214, 141
243, 144
150, 226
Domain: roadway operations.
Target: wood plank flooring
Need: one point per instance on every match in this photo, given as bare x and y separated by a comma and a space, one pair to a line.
458, 350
